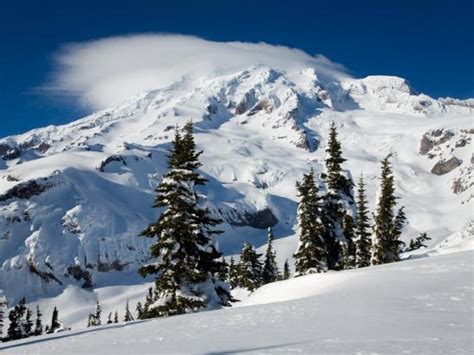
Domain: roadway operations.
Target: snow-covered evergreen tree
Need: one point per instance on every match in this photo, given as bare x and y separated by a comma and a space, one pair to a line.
311, 255
362, 227
128, 315
188, 261
94, 319
270, 271
387, 226
116, 317
223, 273
232, 277
337, 205
109, 318
16, 317
250, 268
38, 322
28, 323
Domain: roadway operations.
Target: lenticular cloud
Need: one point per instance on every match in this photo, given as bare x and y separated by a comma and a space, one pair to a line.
104, 72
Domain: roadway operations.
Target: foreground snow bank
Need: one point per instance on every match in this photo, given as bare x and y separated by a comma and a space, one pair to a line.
420, 306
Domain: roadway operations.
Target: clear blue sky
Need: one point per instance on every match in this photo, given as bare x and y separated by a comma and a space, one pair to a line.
429, 42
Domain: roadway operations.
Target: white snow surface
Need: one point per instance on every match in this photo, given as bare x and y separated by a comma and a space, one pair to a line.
260, 130
419, 306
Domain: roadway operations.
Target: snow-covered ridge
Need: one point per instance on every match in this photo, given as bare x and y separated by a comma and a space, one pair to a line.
73, 198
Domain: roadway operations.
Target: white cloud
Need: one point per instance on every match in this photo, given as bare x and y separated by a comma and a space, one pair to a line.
104, 72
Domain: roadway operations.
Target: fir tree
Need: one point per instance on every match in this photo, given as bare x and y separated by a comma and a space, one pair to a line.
337, 202
419, 242
347, 245
98, 313
188, 257
149, 299
387, 226
139, 309
128, 315
311, 255
38, 323
232, 278
28, 323
362, 227
270, 268
250, 268
109, 318
286, 271
55, 323
116, 317
223, 273
16, 317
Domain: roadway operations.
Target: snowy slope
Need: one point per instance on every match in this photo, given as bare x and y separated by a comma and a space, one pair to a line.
73, 198
420, 306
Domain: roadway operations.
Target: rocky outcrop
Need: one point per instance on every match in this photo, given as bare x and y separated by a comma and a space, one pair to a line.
434, 138
444, 167
27, 189
115, 265
79, 274
111, 159
261, 219
44, 275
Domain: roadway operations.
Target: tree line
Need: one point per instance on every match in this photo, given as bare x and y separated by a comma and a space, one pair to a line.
21, 323
335, 231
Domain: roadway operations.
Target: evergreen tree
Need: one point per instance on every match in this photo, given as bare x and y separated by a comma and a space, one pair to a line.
128, 315
116, 317
188, 257
55, 323
98, 313
311, 255
139, 309
149, 299
418, 242
270, 268
109, 318
362, 227
337, 206
16, 317
347, 245
28, 324
250, 268
91, 320
38, 323
223, 273
387, 226
232, 278
286, 271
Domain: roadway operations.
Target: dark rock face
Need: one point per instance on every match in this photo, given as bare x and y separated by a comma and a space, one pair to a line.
115, 265
112, 158
46, 276
444, 167
434, 138
26, 190
260, 219
79, 274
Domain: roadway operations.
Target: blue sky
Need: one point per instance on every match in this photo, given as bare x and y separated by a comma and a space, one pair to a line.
428, 42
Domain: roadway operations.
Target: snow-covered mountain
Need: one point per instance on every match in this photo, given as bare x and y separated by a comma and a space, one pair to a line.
73, 198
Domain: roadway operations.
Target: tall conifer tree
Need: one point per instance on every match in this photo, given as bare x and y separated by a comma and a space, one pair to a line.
387, 226
270, 268
188, 257
337, 206
362, 227
250, 268
311, 255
